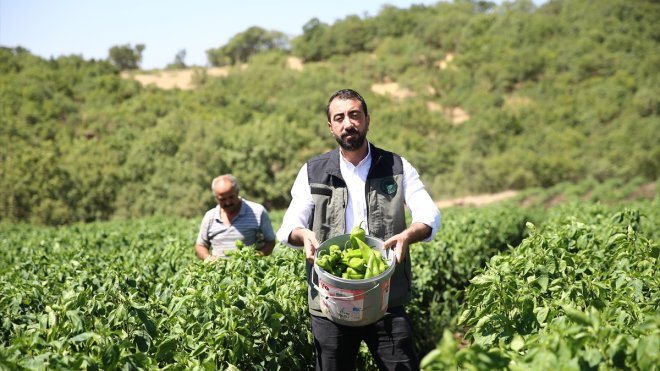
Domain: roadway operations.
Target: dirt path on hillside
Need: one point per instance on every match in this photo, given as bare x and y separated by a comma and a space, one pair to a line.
476, 200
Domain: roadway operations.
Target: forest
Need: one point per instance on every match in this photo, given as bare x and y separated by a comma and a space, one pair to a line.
488, 98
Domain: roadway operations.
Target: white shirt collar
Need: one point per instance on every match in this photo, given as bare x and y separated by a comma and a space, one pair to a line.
349, 166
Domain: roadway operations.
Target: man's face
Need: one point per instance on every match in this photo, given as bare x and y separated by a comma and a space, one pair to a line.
348, 123
227, 197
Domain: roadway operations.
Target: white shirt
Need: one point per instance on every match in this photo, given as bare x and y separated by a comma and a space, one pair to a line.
418, 201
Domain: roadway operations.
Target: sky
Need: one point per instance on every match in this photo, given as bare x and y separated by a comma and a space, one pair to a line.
89, 28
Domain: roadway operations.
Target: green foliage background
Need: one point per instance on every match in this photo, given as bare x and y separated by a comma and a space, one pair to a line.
561, 93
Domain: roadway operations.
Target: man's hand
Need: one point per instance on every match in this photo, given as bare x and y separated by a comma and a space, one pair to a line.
202, 252
306, 238
268, 248
400, 242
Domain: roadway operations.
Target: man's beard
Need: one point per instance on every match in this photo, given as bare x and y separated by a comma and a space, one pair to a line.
351, 144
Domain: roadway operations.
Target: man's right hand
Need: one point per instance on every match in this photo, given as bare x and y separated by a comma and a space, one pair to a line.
306, 238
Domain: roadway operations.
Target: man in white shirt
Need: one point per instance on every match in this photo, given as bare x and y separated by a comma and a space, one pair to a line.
333, 193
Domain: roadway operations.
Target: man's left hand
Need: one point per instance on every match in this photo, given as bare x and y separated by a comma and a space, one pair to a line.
398, 242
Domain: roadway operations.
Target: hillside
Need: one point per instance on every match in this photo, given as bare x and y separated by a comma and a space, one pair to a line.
482, 99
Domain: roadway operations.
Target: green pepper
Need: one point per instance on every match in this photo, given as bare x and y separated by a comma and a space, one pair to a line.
379, 265
335, 258
357, 264
352, 253
382, 266
364, 249
324, 262
358, 234
352, 274
370, 267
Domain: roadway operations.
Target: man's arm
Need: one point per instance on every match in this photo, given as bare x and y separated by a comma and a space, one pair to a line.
266, 229
425, 215
422, 207
202, 243
293, 231
203, 253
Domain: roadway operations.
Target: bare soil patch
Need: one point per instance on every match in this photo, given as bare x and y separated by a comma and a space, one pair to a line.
554, 200
172, 79
515, 103
392, 89
476, 200
185, 78
645, 191
294, 63
456, 115
443, 64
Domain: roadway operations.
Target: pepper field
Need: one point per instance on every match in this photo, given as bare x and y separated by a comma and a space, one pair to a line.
501, 287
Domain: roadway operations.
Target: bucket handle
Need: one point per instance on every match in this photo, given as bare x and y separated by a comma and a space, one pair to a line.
321, 290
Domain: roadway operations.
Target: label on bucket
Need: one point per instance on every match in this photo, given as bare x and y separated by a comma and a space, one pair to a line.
384, 295
347, 305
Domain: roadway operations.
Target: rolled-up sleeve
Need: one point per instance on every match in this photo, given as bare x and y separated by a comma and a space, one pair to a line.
299, 210
419, 202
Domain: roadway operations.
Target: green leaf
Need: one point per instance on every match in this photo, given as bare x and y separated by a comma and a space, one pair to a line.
592, 356
82, 337
74, 319
481, 280
141, 343
110, 356
239, 303
543, 283
464, 316
576, 316
430, 358
148, 324
648, 357
166, 350
542, 314
483, 321
517, 343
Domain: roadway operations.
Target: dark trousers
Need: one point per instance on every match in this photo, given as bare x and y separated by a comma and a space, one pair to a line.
390, 341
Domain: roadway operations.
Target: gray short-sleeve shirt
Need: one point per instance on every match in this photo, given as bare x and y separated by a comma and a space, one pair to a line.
252, 226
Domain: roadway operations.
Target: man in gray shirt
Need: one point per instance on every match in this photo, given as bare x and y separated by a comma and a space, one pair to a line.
232, 220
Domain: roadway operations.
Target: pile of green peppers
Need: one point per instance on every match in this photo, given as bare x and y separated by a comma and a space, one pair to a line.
356, 261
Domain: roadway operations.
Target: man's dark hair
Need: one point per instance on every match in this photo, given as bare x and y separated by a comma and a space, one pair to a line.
345, 94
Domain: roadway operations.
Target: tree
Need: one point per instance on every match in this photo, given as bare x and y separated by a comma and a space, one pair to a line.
126, 57
310, 45
245, 44
179, 61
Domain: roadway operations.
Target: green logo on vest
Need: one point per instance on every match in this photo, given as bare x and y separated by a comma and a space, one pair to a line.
388, 186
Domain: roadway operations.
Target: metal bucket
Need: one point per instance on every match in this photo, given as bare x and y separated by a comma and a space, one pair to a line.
354, 302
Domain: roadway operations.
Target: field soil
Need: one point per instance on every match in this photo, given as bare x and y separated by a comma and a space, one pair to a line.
476, 200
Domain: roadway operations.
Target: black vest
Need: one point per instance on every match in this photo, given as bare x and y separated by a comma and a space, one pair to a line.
385, 211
